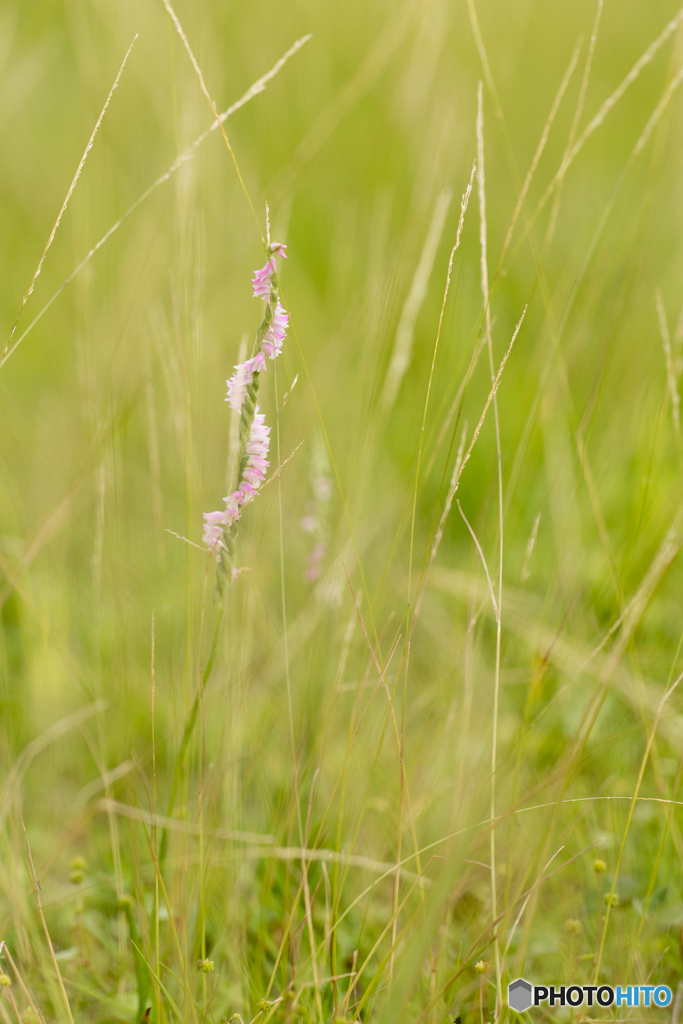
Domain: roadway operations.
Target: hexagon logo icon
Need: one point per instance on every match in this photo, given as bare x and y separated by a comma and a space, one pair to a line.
520, 995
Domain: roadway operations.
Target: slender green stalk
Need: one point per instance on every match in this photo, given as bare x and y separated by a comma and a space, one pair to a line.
497, 605
629, 819
190, 724
39, 904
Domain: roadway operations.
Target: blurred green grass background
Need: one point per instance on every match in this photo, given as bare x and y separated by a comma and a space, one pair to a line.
114, 431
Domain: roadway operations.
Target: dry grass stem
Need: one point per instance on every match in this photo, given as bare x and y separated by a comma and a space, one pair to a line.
576, 120
72, 186
669, 359
39, 904
642, 62
403, 342
483, 561
541, 146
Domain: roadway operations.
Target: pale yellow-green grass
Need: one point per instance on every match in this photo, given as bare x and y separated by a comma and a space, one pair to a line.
454, 758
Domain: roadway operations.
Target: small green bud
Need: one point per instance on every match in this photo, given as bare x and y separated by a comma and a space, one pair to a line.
205, 966
77, 873
264, 1005
599, 866
480, 967
611, 901
5, 981
572, 926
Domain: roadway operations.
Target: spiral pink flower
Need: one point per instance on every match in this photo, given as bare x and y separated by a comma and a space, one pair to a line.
262, 278
257, 464
253, 457
242, 378
275, 335
215, 524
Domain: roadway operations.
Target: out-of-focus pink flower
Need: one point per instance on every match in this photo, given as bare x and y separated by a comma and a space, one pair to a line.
314, 563
275, 335
322, 488
242, 378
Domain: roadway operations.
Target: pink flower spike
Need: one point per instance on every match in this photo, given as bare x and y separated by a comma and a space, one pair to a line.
275, 335
242, 378
212, 536
215, 524
322, 488
256, 450
309, 524
215, 518
314, 563
258, 442
247, 492
262, 278
233, 502
254, 477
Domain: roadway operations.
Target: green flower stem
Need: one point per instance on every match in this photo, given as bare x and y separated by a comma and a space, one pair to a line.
189, 728
225, 567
